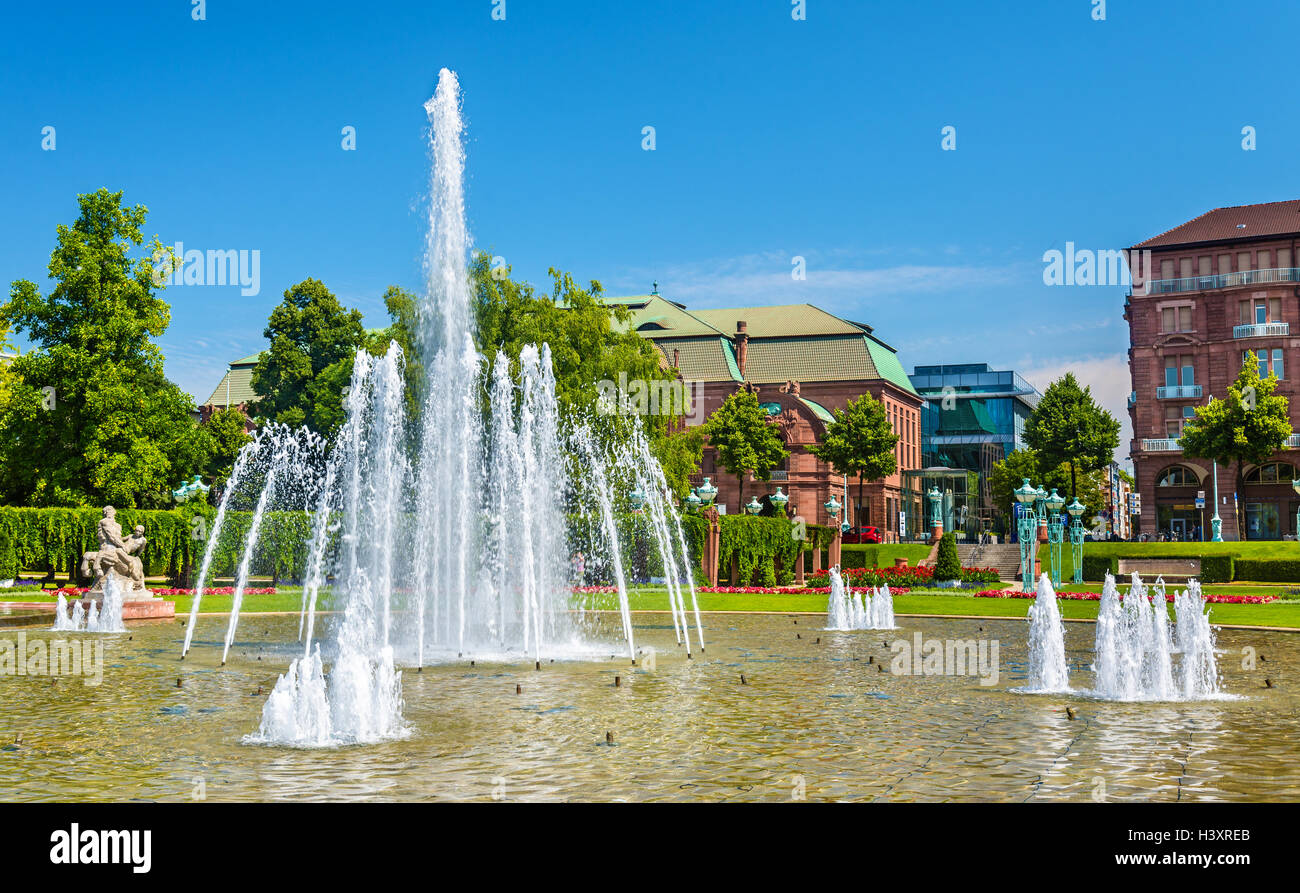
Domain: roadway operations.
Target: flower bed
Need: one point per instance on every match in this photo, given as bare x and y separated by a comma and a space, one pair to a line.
784, 590
1096, 596
68, 591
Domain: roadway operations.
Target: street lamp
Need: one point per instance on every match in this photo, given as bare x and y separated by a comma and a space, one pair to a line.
707, 492
832, 508
1076, 537
1216, 523
754, 506
693, 502
1055, 533
779, 500
1295, 485
936, 500
1027, 529
636, 498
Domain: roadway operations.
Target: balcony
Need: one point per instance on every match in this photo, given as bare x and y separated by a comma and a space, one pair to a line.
1160, 445
1179, 392
1132, 398
1293, 442
1224, 280
1261, 330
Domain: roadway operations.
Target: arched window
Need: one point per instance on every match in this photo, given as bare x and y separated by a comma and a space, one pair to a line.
1272, 473
1178, 476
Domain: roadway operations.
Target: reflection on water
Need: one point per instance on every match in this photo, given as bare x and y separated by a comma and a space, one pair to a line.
815, 714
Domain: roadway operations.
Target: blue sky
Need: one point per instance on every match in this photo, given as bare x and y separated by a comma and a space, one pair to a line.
775, 138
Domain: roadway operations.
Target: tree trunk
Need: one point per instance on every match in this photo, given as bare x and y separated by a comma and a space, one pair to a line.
1074, 488
1237, 509
740, 479
858, 516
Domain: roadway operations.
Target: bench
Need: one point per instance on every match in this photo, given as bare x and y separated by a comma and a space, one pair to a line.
1173, 570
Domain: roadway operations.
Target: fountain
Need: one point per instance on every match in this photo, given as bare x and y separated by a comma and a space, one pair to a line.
1135, 648
1048, 671
446, 537
847, 611
104, 615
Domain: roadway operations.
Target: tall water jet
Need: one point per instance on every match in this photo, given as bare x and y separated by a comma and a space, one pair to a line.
1048, 671
1194, 639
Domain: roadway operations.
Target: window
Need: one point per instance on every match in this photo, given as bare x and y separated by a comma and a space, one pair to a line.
1178, 476
1166, 269
1284, 258
1262, 359
1265, 260
1179, 370
1272, 473
1225, 264
1204, 264
1176, 319
1184, 268
1243, 261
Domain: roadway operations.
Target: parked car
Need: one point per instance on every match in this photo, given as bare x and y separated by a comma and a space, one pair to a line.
869, 535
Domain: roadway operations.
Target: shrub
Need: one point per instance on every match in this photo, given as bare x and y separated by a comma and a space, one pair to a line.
859, 555
1264, 570
948, 565
8, 560
1221, 568
1095, 567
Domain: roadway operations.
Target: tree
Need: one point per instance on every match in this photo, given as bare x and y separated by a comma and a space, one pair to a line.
1008, 474
744, 439
1068, 426
225, 428
592, 347
947, 565
301, 376
1247, 426
90, 417
860, 441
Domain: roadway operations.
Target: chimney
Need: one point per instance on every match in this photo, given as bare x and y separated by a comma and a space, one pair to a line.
676, 358
742, 344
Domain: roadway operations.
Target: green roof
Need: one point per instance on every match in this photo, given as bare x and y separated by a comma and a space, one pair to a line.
783, 320
887, 364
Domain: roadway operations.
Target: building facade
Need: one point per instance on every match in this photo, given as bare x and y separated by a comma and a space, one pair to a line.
803, 363
973, 417
1208, 295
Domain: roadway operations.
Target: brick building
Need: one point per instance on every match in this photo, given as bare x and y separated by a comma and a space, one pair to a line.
804, 363
1212, 293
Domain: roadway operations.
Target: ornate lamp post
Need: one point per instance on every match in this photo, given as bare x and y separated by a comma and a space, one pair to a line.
1216, 523
754, 506
833, 510
779, 500
936, 520
1295, 485
1055, 533
693, 502
1027, 530
1040, 511
1076, 537
636, 498
707, 492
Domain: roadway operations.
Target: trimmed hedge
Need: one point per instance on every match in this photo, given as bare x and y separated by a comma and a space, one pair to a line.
1095, 567
1221, 568
1214, 568
1259, 570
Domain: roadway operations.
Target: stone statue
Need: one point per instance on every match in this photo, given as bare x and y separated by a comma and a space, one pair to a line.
118, 557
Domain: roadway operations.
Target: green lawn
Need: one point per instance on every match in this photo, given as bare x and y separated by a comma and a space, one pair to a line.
655, 598
1266, 550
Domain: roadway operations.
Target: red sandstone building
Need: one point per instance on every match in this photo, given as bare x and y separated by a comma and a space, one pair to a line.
1218, 290
804, 363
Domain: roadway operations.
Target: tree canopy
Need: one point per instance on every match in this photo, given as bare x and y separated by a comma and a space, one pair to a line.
90, 416
1246, 426
301, 376
1069, 427
744, 438
1008, 474
860, 442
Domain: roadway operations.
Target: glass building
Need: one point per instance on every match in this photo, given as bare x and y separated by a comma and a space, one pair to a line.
973, 417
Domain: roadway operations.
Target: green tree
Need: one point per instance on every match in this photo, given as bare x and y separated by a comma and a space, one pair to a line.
947, 565
1009, 473
744, 439
1068, 426
91, 418
1247, 426
860, 441
301, 376
225, 427
593, 347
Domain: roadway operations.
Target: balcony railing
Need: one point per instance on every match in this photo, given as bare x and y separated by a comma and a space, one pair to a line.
1160, 445
1293, 442
1132, 398
1259, 330
1179, 392
1223, 280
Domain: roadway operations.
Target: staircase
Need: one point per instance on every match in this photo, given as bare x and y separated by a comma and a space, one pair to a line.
1004, 557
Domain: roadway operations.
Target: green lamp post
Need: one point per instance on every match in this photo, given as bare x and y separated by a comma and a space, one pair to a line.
1055, 533
707, 492
1076, 537
1026, 494
936, 503
693, 502
832, 508
636, 498
754, 506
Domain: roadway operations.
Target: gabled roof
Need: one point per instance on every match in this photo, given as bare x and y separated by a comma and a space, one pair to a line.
782, 320
1230, 224
239, 377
